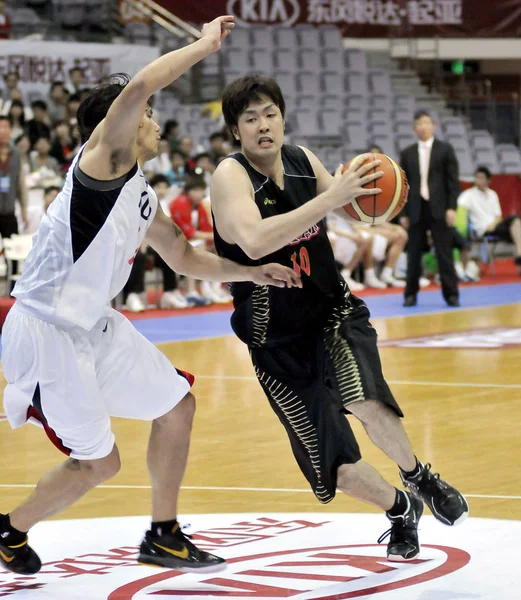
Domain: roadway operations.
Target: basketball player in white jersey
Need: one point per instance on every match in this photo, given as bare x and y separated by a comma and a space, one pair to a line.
71, 361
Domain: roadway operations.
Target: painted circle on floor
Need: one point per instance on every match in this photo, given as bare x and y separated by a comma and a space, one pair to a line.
305, 556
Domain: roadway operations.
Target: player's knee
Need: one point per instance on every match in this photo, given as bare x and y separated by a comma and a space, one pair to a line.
97, 471
403, 236
347, 477
183, 412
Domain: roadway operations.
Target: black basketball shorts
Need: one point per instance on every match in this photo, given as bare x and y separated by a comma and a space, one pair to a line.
310, 384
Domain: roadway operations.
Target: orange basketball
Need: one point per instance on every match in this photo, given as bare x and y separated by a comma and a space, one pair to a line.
385, 206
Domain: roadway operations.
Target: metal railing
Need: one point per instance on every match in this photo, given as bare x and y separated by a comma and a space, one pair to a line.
156, 13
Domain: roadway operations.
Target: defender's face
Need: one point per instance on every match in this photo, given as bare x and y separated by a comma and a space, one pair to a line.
260, 129
148, 135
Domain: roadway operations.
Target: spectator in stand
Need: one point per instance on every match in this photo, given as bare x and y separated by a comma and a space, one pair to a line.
135, 287
5, 22
12, 184
13, 92
73, 103
40, 125
172, 297
40, 158
388, 242
57, 103
486, 217
181, 209
218, 147
177, 173
171, 133
49, 195
17, 116
63, 147
23, 145
204, 167
77, 80
185, 146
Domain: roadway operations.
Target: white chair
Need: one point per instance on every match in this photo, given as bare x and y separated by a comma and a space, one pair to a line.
16, 249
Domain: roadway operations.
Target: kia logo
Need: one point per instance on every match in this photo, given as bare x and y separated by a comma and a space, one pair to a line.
281, 12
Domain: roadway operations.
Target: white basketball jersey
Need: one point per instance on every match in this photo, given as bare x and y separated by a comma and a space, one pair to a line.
83, 251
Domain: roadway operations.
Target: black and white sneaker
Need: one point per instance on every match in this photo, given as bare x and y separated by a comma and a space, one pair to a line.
404, 544
174, 550
446, 503
20, 558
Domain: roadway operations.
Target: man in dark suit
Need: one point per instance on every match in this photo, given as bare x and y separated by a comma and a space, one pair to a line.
432, 170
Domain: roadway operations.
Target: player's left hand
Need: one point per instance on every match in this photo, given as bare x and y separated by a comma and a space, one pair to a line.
217, 30
277, 275
451, 217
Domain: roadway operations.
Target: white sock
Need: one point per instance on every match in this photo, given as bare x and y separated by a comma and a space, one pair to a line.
387, 273
370, 273
347, 272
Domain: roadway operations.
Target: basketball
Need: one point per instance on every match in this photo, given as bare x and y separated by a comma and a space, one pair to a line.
385, 206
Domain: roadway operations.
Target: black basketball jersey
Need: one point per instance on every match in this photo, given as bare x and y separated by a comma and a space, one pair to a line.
267, 315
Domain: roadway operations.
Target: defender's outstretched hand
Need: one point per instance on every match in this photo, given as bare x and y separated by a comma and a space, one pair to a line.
277, 275
217, 30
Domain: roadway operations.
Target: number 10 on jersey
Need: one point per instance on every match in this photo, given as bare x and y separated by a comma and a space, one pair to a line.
303, 259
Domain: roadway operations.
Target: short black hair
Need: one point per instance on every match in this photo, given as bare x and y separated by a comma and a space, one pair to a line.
169, 125
484, 170
194, 182
377, 147
6, 118
201, 155
56, 84
72, 69
217, 135
21, 137
39, 104
180, 152
74, 98
419, 114
157, 179
95, 106
240, 93
51, 188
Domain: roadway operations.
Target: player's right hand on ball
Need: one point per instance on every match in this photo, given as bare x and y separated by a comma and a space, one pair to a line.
349, 183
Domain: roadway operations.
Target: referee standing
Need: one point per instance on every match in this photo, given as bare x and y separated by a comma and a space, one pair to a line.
432, 169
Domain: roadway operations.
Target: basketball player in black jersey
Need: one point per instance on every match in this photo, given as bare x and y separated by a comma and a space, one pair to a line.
313, 349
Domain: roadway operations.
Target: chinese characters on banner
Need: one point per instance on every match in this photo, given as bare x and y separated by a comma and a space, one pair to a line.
386, 12
367, 18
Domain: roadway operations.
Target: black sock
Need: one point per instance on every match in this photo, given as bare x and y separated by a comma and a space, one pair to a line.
400, 506
160, 527
415, 472
8, 534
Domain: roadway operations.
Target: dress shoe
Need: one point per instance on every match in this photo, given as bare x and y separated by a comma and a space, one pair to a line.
410, 300
453, 301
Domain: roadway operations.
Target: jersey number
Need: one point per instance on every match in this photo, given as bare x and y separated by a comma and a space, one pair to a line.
303, 259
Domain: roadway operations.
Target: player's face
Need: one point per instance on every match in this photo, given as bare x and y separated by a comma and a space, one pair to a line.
424, 128
261, 129
148, 135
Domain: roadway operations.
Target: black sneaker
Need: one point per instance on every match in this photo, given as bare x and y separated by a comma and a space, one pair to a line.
445, 502
20, 558
404, 544
174, 550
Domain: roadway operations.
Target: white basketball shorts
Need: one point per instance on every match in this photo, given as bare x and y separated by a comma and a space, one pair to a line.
72, 381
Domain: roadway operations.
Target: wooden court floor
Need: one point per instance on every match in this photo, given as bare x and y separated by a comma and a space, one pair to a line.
463, 414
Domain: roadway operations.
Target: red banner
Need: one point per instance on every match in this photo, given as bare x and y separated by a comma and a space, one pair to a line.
367, 18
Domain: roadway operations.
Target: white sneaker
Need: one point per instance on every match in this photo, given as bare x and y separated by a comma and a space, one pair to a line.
424, 282
134, 303
223, 297
460, 271
354, 286
372, 281
173, 300
392, 281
